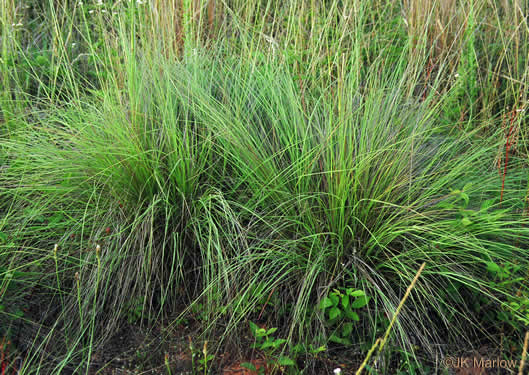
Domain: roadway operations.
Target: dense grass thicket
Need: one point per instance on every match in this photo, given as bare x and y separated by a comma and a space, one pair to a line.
266, 177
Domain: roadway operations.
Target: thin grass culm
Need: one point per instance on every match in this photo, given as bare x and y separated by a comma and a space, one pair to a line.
381, 342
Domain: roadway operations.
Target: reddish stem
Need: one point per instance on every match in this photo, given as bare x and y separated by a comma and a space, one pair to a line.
428, 73
266, 303
4, 355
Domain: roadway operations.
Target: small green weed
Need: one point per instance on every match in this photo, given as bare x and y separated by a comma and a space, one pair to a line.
515, 312
134, 310
270, 346
200, 359
339, 311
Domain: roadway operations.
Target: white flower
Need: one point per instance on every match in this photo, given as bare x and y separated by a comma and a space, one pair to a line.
91, 11
74, 44
103, 10
337, 371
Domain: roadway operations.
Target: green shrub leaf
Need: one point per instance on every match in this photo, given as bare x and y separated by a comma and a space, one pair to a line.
334, 313
325, 303
345, 301
360, 302
285, 361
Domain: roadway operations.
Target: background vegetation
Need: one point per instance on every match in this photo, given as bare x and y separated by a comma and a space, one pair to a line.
268, 175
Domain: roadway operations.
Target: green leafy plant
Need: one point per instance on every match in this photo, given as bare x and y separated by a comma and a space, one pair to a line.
520, 310
341, 311
270, 346
515, 311
206, 359
200, 359
134, 310
310, 349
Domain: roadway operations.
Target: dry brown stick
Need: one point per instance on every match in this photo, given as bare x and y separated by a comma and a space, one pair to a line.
380, 343
266, 303
211, 16
369, 353
524, 353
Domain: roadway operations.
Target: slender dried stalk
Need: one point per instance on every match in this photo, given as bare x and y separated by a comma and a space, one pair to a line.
524, 353
381, 342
